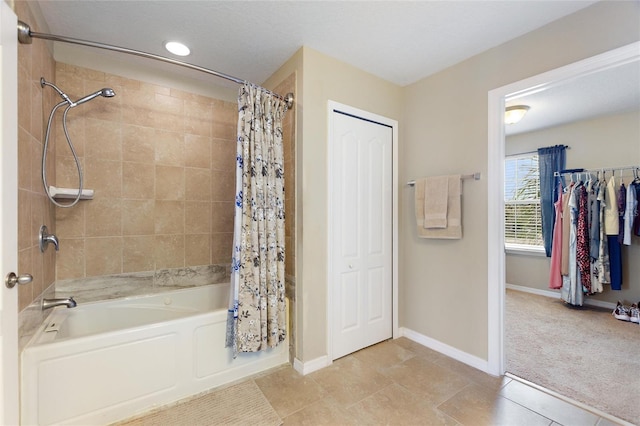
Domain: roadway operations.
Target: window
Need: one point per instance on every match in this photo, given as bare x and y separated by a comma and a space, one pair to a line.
523, 221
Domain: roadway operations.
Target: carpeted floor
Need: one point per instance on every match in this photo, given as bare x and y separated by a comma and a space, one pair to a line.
583, 353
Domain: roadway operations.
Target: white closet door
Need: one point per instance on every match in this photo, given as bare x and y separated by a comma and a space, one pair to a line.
361, 233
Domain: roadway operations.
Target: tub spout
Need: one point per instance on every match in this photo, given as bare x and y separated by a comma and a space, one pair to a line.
52, 303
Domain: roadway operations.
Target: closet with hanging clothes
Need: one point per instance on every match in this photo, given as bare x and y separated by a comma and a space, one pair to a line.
596, 217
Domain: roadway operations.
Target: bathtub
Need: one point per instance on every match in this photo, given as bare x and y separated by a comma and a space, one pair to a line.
105, 361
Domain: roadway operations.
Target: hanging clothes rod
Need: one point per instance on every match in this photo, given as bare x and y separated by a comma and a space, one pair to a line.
603, 169
535, 151
474, 176
25, 36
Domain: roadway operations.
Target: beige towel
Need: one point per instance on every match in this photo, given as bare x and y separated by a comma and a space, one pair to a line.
454, 210
436, 192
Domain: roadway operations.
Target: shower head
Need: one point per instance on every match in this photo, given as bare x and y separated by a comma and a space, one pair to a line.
106, 92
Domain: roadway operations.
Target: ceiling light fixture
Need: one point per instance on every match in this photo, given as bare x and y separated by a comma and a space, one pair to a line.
177, 48
513, 114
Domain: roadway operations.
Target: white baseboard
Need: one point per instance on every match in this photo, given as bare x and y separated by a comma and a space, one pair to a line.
305, 368
556, 294
445, 349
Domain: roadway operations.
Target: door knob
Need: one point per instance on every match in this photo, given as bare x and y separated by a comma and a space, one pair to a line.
12, 279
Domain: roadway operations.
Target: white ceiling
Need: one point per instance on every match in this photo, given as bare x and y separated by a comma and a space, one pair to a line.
399, 41
613, 91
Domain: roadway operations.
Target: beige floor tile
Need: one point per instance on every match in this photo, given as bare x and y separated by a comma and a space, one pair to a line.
432, 382
383, 354
477, 376
349, 380
547, 405
327, 411
394, 405
418, 349
288, 391
475, 405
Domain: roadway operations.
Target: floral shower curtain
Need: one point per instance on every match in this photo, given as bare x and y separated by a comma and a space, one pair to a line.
256, 318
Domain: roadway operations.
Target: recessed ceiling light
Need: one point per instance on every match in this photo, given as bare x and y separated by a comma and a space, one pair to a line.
177, 48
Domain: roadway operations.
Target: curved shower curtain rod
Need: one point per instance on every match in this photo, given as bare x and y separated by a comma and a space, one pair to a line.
25, 36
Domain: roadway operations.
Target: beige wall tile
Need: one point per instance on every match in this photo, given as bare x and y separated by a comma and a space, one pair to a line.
197, 250
138, 144
197, 217
25, 172
24, 101
76, 131
66, 173
25, 292
221, 247
70, 222
103, 256
103, 140
169, 148
70, 263
138, 180
25, 234
104, 177
170, 183
197, 184
222, 216
36, 106
197, 151
169, 217
225, 120
103, 217
137, 217
148, 154
138, 253
223, 154
198, 118
223, 185
169, 251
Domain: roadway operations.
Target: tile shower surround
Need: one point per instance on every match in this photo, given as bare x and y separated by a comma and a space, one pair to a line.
34, 61
161, 162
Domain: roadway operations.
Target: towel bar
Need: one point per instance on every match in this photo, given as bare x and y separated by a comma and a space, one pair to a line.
475, 176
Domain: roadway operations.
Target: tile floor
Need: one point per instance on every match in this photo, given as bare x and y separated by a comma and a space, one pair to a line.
400, 382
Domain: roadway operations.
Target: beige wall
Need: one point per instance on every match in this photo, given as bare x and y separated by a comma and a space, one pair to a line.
323, 78
443, 284
597, 143
34, 210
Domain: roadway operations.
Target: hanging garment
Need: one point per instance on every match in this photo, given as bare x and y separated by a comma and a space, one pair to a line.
622, 206
555, 277
566, 229
603, 265
615, 260
636, 222
594, 218
582, 239
594, 234
629, 214
571, 287
611, 219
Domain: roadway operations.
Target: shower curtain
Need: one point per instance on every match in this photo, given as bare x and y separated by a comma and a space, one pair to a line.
256, 318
